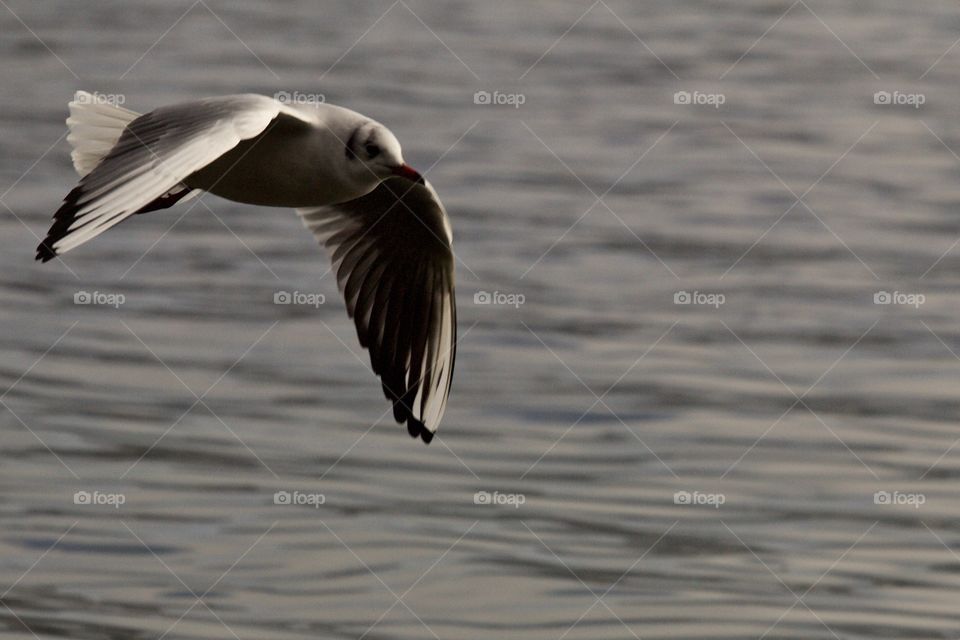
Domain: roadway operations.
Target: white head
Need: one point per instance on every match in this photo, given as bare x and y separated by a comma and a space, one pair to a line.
375, 150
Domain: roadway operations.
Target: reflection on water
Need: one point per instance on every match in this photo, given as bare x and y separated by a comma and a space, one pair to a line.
772, 455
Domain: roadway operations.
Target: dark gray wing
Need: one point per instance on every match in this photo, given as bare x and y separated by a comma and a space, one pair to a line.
392, 253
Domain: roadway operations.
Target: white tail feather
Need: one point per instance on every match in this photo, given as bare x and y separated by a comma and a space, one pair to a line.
95, 126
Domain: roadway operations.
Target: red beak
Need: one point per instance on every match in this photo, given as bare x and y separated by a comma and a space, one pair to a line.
408, 172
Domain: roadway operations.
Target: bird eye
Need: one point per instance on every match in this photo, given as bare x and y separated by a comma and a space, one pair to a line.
372, 150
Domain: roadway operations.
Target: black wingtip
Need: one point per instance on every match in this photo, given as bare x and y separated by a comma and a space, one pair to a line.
62, 220
417, 429
45, 253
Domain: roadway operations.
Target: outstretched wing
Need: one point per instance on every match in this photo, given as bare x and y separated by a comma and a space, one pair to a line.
153, 155
392, 253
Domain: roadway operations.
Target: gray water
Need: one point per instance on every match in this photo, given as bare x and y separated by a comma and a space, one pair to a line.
782, 412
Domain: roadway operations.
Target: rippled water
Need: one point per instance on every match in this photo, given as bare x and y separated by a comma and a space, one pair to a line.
781, 412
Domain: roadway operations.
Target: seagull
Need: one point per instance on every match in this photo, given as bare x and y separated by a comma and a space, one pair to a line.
382, 223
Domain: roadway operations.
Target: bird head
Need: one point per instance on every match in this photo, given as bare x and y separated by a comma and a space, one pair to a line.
377, 151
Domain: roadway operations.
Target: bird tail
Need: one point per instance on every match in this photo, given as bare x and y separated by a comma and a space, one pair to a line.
95, 126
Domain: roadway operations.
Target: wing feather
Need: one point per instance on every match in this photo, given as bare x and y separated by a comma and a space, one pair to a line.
151, 158
392, 253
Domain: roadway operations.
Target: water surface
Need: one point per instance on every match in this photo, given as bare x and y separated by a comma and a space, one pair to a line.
784, 410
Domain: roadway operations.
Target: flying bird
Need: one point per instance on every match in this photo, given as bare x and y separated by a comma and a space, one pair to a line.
387, 233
